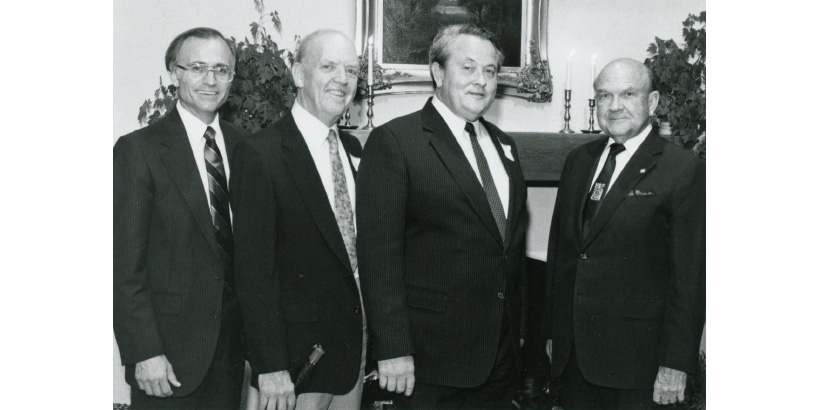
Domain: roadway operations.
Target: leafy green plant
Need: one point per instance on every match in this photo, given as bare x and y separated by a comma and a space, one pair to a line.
680, 77
262, 90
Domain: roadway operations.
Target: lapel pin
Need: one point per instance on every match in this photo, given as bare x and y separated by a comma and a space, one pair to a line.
643, 170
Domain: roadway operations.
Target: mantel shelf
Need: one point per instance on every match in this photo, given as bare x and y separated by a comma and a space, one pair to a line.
542, 153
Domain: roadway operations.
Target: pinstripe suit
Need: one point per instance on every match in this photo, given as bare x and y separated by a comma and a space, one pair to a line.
168, 273
437, 278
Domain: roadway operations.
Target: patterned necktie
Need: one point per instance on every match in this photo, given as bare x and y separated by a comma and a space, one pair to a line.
601, 186
220, 213
343, 208
488, 183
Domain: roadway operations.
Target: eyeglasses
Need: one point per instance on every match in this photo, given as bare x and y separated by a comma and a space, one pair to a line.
196, 72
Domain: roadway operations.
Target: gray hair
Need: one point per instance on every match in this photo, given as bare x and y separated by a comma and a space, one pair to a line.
199, 32
309, 41
441, 50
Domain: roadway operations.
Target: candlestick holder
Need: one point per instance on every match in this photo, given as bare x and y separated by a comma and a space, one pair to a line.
567, 98
344, 122
369, 125
591, 129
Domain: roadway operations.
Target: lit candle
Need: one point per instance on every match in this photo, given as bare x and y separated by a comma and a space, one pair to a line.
592, 80
370, 61
568, 84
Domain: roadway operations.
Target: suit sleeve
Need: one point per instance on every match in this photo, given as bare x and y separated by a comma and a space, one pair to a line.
135, 326
253, 199
552, 246
382, 191
686, 296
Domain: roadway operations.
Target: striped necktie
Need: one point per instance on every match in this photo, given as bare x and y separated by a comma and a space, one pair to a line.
487, 181
220, 212
600, 187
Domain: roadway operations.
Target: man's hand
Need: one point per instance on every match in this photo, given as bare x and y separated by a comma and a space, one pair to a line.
549, 349
397, 375
276, 391
153, 376
669, 386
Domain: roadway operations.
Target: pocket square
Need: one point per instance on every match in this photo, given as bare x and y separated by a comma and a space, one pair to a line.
508, 152
638, 192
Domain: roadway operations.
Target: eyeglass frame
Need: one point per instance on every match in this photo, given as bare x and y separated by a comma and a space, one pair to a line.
209, 69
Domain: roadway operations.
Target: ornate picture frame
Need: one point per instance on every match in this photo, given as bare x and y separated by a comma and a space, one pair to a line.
529, 78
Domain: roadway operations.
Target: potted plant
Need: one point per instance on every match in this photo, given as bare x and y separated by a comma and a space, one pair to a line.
679, 72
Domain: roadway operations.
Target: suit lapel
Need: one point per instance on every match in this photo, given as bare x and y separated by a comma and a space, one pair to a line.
353, 149
299, 162
444, 143
638, 166
587, 164
181, 165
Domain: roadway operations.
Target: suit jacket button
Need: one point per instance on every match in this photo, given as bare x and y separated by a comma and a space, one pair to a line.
356, 310
500, 295
583, 256
217, 277
216, 315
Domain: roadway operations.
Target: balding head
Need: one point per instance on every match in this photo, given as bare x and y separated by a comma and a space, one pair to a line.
625, 97
325, 72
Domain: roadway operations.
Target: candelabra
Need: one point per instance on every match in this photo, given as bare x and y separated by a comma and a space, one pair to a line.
591, 129
370, 96
567, 98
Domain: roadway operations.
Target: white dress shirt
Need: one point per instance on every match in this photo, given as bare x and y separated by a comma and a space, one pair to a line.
631, 145
195, 129
497, 170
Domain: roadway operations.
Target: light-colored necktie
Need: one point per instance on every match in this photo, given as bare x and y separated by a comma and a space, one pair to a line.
342, 206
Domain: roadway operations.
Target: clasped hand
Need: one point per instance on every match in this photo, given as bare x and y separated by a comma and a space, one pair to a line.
153, 376
397, 374
276, 391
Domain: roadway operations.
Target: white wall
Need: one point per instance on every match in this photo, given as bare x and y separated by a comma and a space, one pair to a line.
612, 29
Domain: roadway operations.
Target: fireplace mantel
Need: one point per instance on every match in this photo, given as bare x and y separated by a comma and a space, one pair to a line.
542, 153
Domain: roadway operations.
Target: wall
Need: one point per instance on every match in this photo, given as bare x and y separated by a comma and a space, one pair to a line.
612, 29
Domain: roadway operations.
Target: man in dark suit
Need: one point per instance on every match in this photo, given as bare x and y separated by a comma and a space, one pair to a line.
626, 257
176, 317
296, 266
442, 216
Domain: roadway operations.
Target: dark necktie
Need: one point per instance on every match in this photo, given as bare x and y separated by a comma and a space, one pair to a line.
488, 183
342, 205
220, 213
601, 186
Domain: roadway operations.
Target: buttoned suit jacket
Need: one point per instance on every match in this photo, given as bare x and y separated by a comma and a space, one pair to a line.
293, 274
631, 294
168, 268
436, 272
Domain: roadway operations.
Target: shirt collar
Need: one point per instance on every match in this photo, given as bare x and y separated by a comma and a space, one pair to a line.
313, 131
194, 127
633, 143
453, 121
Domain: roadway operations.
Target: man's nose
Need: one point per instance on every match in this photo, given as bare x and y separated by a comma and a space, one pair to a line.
481, 80
210, 78
341, 76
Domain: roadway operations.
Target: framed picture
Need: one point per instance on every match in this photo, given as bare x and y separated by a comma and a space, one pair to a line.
403, 31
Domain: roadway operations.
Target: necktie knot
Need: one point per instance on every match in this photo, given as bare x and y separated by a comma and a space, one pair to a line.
210, 134
470, 130
616, 149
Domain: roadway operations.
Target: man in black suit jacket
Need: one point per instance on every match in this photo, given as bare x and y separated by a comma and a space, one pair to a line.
176, 317
626, 257
296, 268
442, 217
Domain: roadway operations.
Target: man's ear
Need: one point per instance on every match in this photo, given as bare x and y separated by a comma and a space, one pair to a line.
298, 75
174, 78
438, 74
654, 98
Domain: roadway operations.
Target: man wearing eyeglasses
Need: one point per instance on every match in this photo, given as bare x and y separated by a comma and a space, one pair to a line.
176, 316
